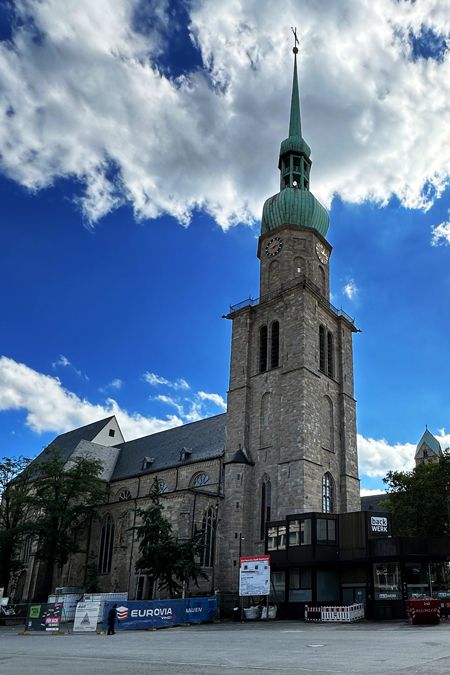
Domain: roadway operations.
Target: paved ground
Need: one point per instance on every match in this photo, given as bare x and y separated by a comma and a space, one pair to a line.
234, 649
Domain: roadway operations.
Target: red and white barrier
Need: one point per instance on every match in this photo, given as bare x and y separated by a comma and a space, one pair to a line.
347, 614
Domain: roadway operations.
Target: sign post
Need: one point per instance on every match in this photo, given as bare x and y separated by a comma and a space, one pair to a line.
254, 577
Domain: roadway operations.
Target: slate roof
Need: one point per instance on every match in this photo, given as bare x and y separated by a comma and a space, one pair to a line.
67, 442
373, 502
241, 457
204, 439
431, 442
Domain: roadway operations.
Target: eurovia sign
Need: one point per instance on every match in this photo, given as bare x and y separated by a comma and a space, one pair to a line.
136, 614
378, 524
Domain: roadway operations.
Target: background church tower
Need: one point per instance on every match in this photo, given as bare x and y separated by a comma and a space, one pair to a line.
291, 420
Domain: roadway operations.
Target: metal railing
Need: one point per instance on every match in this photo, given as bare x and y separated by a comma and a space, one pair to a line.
304, 282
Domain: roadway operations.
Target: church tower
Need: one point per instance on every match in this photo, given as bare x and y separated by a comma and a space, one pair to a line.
291, 420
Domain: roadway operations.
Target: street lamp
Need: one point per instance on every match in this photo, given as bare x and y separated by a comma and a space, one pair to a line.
241, 539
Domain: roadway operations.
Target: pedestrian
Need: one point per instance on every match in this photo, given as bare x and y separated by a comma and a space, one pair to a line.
112, 616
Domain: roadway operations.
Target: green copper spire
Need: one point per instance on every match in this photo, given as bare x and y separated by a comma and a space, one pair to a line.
295, 122
294, 204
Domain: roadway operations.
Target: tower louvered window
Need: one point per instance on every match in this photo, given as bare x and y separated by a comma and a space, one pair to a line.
266, 505
262, 349
322, 359
330, 354
326, 351
275, 345
106, 546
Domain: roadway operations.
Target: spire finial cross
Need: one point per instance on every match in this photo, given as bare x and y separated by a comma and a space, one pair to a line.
296, 40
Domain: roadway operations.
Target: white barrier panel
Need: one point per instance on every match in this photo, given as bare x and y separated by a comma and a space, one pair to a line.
87, 615
347, 614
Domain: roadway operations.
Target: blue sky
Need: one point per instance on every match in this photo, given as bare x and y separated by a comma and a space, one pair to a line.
138, 143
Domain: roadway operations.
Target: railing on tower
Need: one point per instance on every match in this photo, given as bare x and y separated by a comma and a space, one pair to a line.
303, 281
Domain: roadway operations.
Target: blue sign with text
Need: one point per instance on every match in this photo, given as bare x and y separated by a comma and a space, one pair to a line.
141, 614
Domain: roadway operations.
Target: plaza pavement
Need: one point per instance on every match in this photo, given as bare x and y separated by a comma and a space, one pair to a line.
278, 648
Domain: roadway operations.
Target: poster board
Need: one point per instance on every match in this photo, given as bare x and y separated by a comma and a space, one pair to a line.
254, 575
87, 615
45, 617
145, 614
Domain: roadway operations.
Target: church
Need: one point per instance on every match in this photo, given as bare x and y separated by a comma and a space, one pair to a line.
287, 443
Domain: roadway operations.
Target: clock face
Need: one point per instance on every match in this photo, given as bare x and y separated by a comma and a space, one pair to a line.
274, 246
322, 253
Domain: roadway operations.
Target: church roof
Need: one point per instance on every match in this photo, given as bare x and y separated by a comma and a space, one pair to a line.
374, 502
67, 442
241, 456
431, 442
292, 206
197, 441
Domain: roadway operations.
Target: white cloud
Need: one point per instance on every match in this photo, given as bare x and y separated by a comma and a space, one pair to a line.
51, 407
81, 96
168, 400
115, 384
377, 456
369, 493
156, 380
63, 362
217, 399
350, 289
441, 234
194, 407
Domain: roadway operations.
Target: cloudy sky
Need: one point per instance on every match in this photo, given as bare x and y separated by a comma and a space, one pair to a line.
138, 142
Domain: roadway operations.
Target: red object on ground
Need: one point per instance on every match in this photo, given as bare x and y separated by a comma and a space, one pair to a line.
425, 610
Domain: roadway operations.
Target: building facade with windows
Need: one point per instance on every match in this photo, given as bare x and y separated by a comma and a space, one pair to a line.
287, 443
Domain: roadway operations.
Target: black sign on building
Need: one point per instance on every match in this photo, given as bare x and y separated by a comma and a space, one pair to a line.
378, 524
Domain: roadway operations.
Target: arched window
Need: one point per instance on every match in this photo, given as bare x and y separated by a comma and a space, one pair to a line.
327, 493
27, 545
330, 354
262, 349
274, 274
124, 495
322, 280
299, 266
322, 357
200, 480
275, 345
327, 424
326, 351
106, 546
266, 505
209, 537
264, 421
162, 487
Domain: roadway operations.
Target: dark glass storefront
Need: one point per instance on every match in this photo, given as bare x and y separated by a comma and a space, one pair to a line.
321, 559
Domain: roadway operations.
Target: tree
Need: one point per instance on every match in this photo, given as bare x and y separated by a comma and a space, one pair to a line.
171, 563
64, 498
15, 508
420, 499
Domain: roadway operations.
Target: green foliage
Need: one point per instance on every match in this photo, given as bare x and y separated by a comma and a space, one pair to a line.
15, 508
64, 498
171, 563
419, 499
92, 584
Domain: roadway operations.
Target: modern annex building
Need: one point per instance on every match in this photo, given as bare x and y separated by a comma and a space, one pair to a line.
287, 443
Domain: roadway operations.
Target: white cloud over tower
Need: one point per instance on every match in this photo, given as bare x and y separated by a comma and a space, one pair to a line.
81, 96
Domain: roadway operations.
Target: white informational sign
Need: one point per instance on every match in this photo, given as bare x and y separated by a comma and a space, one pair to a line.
254, 575
86, 617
